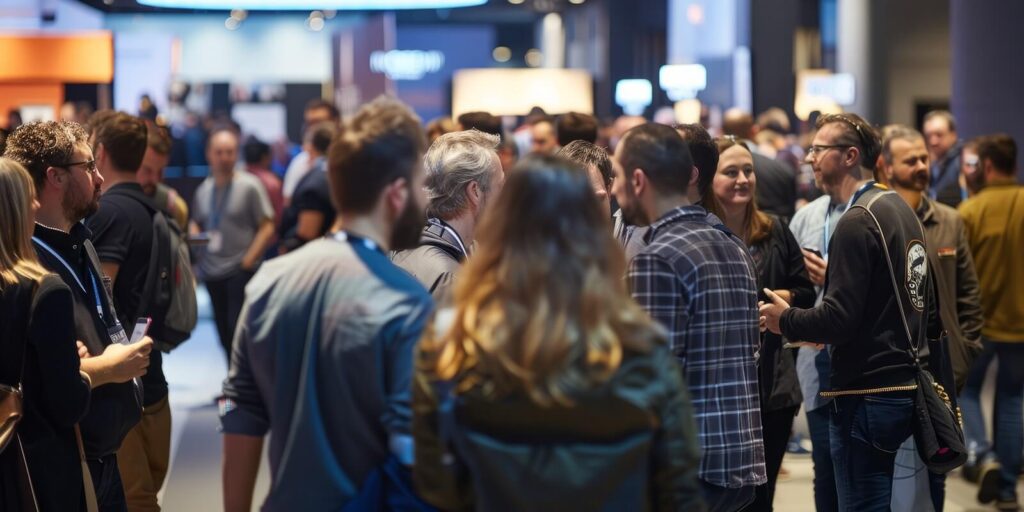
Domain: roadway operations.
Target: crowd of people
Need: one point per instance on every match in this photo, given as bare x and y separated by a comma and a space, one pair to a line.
568, 316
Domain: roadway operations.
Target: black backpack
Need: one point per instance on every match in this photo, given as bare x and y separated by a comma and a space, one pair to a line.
169, 295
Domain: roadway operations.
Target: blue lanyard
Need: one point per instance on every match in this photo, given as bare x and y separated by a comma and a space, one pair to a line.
828, 213
342, 236
215, 209
92, 276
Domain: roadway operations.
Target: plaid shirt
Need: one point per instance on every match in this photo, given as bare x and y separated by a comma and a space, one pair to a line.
698, 282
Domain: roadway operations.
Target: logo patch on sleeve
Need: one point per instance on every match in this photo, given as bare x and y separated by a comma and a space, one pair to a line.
917, 271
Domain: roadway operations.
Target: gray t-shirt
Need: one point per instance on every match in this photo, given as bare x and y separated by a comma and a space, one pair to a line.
233, 214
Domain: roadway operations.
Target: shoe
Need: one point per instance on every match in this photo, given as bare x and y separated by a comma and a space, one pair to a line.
1007, 505
989, 482
796, 447
970, 472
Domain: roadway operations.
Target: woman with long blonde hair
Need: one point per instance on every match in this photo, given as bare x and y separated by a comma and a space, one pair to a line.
546, 387
37, 357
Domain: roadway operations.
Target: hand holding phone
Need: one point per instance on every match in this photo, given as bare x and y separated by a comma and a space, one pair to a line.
141, 328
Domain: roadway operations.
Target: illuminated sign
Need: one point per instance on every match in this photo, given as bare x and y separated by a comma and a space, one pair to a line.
309, 5
683, 81
406, 64
839, 87
634, 95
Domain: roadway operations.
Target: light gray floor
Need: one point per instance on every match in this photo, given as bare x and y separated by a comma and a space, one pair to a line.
196, 370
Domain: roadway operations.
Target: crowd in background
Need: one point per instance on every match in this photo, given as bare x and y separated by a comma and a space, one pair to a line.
565, 314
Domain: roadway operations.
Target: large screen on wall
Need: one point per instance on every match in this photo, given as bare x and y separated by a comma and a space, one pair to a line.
513, 92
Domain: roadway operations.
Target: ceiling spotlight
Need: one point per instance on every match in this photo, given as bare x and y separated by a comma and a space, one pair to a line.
534, 58
502, 54
231, 23
239, 14
577, 2
516, 2
315, 24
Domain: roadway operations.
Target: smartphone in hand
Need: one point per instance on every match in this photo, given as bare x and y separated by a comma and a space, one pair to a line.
814, 251
141, 328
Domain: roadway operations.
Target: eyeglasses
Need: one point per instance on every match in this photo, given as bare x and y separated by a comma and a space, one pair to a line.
90, 165
818, 149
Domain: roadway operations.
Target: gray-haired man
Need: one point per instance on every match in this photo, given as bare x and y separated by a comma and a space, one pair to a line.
463, 175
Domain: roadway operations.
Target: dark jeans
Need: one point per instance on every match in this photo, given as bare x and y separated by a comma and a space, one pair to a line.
106, 478
226, 296
970, 403
1008, 430
776, 428
865, 433
825, 497
724, 499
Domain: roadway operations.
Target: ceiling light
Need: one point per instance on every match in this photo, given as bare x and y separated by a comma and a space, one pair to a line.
576, 2
308, 5
534, 58
231, 23
315, 24
516, 2
502, 54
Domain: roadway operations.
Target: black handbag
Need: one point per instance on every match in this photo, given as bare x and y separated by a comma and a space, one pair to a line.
937, 424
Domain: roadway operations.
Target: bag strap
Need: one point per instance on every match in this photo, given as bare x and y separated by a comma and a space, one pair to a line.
28, 493
914, 350
91, 504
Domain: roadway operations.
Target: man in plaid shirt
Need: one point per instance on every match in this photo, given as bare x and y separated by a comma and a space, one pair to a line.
698, 281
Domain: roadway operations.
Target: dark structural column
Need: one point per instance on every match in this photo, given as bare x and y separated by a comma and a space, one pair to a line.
987, 42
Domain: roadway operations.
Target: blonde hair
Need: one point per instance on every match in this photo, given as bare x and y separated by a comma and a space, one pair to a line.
540, 307
16, 254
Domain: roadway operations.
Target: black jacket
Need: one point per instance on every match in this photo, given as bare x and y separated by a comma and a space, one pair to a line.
628, 444
780, 266
435, 262
114, 408
38, 318
859, 316
776, 186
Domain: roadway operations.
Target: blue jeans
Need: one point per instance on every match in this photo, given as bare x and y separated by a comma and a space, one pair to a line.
825, 499
865, 433
1008, 430
970, 403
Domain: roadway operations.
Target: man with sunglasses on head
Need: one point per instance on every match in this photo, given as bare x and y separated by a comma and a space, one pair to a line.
67, 181
862, 317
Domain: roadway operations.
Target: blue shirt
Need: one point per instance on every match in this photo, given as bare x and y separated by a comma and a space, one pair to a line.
323, 358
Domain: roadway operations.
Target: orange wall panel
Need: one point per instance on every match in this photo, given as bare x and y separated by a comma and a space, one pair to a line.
76, 58
13, 96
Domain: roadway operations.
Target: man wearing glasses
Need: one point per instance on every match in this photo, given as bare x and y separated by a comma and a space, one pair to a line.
58, 156
872, 378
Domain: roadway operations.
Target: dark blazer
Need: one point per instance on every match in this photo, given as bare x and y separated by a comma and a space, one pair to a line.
780, 266
56, 396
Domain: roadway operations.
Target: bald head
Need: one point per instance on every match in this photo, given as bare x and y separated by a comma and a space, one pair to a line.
738, 122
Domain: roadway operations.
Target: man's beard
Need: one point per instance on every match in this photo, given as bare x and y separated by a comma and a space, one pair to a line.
76, 207
917, 182
632, 213
408, 226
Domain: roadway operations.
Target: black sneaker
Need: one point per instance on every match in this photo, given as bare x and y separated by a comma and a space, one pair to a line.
989, 482
970, 472
1007, 505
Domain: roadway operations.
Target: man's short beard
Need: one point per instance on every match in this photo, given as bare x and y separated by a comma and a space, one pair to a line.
632, 213
76, 207
408, 226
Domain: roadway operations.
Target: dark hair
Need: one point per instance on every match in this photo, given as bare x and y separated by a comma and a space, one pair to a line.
661, 153
586, 154
320, 103
576, 126
320, 136
941, 114
482, 121
223, 127
1000, 149
124, 137
255, 151
704, 153
98, 119
43, 144
896, 132
381, 143
857, 133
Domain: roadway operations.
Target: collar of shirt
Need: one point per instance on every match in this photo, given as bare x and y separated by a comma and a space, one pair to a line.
682, 213
926, 211
66, 244
443, 230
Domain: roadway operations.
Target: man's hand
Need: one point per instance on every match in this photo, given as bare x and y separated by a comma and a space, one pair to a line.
816, 267
118, 363
83, 351
771, 313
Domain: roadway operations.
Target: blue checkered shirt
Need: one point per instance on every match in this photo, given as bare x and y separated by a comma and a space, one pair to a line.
698, 281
